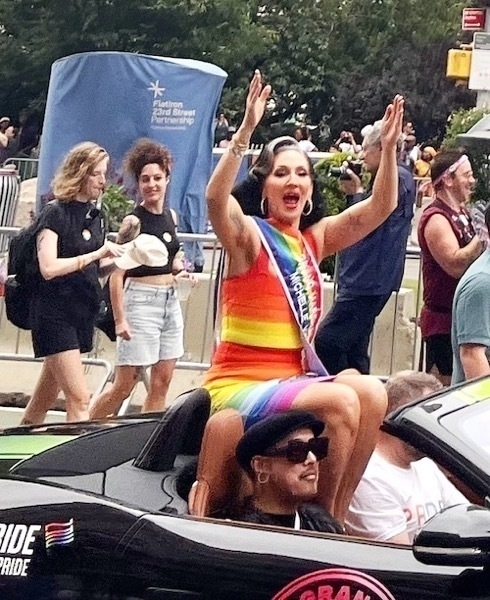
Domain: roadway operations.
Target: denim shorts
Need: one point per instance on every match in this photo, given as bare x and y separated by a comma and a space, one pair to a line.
155, 321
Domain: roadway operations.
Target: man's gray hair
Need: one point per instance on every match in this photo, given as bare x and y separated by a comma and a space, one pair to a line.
373, 136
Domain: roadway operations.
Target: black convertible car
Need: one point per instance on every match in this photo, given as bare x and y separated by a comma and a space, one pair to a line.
104, 515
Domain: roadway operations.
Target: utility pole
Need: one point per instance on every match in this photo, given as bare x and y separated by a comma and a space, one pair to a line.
478, 20
483, 96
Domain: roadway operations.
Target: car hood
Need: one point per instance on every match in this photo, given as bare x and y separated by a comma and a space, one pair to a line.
20, 443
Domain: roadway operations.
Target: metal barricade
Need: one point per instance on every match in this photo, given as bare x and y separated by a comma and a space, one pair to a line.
92, 362
9, 199
201, 336
421, 186
27, 168
199, 326
213, 249
414, 253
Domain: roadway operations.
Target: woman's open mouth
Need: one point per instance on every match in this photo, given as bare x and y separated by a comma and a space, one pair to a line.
291, 200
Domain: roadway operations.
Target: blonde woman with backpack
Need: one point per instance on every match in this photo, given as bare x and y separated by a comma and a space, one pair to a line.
70, 249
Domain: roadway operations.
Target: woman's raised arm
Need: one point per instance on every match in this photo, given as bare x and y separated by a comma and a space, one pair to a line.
224, 212
355, 223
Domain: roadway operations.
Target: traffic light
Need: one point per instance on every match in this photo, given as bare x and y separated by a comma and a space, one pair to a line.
459, 62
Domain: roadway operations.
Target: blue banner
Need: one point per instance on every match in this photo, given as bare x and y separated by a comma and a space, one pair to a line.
114, 98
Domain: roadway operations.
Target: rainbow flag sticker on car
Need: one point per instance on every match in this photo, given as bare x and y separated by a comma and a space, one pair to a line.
59, 534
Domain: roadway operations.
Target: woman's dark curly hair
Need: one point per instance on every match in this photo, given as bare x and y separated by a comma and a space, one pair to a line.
145, 152
249, 192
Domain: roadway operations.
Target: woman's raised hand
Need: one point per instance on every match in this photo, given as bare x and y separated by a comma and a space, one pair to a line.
391, 124
257, 97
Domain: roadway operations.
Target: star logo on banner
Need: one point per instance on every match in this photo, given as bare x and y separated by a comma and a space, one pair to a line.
156, 89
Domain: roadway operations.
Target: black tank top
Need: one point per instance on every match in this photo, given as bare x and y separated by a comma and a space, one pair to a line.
163, 227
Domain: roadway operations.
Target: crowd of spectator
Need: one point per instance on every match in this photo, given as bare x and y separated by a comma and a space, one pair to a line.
20, 138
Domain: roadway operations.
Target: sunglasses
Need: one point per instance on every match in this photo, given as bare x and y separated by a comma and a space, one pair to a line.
297, 451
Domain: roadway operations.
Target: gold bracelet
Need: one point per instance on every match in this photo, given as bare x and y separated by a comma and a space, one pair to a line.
237, 148
80, 263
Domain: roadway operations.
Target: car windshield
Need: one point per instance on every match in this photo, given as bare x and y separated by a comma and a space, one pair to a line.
470, 423
472, 426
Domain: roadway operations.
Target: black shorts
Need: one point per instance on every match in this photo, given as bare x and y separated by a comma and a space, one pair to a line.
51, 336
439, 353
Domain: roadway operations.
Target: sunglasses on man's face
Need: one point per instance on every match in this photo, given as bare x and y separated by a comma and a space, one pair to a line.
297, 451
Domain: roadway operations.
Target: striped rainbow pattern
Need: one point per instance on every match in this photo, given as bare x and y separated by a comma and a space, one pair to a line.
256, 313
296, 262
256, 364
59, 534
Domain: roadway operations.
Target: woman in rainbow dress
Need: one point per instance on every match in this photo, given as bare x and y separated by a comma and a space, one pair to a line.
273, 231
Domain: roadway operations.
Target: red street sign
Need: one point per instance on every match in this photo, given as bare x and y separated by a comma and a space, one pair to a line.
473, 19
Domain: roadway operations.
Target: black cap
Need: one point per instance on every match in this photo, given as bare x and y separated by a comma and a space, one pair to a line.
267, 432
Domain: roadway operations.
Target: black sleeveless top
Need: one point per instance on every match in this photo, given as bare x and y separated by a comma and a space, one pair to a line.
163, 227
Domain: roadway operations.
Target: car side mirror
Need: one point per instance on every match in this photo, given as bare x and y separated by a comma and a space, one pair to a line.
458, 536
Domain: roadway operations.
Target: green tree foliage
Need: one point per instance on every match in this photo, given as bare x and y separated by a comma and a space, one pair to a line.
115, 205
298, 60
460, 121
337, 61
34, 33
335, 200
398, 46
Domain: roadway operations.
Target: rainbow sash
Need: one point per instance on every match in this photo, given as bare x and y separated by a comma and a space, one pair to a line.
300, 277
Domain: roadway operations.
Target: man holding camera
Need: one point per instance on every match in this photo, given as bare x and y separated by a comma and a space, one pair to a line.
369, 271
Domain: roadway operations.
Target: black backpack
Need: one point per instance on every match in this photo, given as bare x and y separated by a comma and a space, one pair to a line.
24, 275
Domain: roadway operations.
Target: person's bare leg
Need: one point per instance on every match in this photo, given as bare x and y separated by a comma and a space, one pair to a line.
338, 407
71, 378
43, 398
160, 378
109, 402
373, 401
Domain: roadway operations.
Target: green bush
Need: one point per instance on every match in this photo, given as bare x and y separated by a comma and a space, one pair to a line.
329, 186
461, 121
115, 206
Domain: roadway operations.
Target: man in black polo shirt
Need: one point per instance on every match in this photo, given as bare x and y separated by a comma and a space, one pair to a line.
369, 271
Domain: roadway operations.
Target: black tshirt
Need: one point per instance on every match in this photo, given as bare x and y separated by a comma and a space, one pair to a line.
312, 518
80, 230
163, 227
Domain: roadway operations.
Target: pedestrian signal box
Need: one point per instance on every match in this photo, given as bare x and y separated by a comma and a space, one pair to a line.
458, 64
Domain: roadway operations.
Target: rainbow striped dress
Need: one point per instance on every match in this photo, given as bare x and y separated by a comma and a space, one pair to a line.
257, 367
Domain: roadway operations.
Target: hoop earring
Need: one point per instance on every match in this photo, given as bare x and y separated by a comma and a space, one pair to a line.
263, 480
263, 206
310, 209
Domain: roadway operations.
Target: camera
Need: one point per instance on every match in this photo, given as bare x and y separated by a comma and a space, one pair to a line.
341, 172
